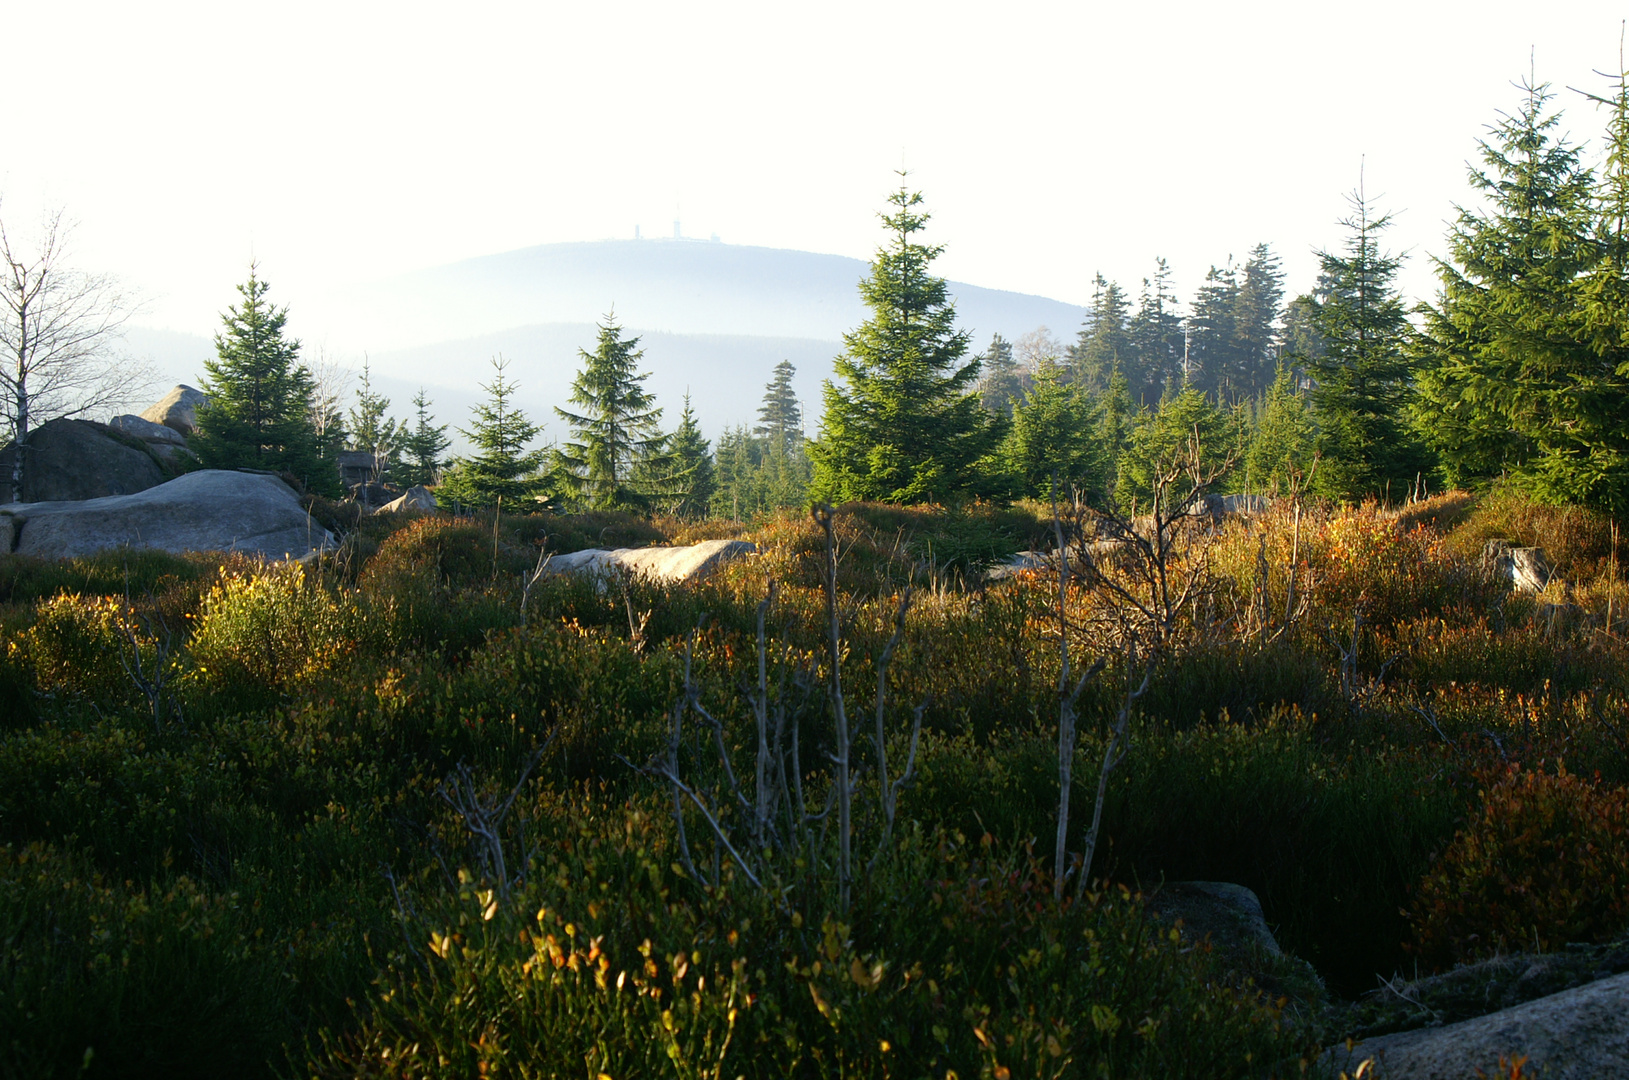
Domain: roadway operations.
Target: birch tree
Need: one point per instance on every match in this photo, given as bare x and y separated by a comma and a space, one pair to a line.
59, 334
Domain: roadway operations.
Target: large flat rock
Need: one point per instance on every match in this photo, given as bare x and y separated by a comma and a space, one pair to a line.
665, 564
1578, 1033
209, 510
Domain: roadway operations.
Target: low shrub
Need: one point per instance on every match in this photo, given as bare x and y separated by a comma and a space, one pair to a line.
1545, 862
25, 579
261, 635
76, 644
1577, 541
955, 959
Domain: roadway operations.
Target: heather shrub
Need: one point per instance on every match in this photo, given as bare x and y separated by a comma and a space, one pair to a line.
1577, 541
1544, 862
25, 579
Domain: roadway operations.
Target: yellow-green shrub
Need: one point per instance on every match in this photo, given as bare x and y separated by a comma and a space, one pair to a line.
75, 644
262, 634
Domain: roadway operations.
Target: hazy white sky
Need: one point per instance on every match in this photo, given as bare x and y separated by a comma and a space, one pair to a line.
340, 141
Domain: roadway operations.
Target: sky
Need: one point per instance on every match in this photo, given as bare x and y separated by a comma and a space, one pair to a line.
341, 142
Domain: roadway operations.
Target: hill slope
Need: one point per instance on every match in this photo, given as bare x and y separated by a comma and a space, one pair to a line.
676, 286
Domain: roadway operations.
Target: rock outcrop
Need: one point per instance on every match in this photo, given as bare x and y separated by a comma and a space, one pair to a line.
664, 564
209, 510
178, 409
1047, 561
146, 430
414, 498
165, 443
76, 459
1578, 1033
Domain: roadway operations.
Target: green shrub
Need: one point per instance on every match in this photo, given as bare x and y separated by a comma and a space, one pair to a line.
138, 572
1577, 541
76, 644
955, 959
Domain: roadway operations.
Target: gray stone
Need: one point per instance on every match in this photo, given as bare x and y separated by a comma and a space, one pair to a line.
146, 430
178, 409
1219, 506
1576, 1034
1230, 914
414, 498
208, 510
664, 564
76, 459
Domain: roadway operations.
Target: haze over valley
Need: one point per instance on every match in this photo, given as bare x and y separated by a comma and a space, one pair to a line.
713, 318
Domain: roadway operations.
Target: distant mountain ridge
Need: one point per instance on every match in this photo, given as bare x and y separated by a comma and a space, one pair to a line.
673, 286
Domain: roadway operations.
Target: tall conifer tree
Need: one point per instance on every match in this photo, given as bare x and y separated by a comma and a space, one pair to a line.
259, 411
1517, 380
780, 417
371, 431
617, 439
1002, 382
1157, 338
903, 422
1213, 340
423, 445
1362, 383
691, 480
1256, 312
1104, 343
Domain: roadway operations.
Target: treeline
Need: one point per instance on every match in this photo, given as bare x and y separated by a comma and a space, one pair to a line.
1518, 370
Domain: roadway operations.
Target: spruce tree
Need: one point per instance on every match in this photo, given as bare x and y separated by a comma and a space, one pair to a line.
1256, 313
1165, 435
618, 445
422, 446
1104, 343
502, 469
371, 431
1213, 340
1052, 438
1157, 339
903, 422
780, 417
691, 474
1116, 419
1362, 383
260, 397
1284, 445
1518, 378
1002, 382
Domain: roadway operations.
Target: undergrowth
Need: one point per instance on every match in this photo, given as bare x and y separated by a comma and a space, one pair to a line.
227, 842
